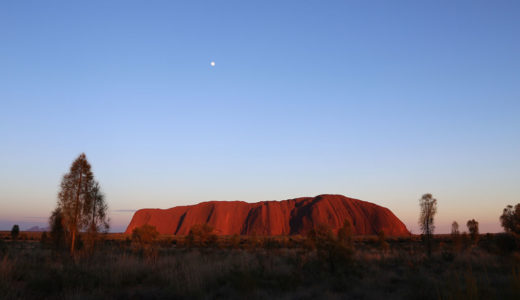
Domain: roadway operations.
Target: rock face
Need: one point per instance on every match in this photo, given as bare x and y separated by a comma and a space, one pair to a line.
294, 216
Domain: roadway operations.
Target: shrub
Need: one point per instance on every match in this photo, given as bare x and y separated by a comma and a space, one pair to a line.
466, 240
381, 242
447, 255
44, 239
234, 241
510, 219
15, 231
3, 248
506, 242
335, 251
346, 232
144, 235
143, 238
473, 230
320, 236
202, 235
344, 244
455, 229
58, 234
253, 241
455, 237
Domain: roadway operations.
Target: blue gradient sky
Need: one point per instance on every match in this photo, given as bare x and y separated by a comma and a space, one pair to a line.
377, 100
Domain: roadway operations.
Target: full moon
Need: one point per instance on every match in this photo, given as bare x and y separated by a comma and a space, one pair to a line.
212, 63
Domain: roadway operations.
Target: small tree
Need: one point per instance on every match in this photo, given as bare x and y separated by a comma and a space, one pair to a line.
98, 207
346, 232
335, 251
44, 238
202, 235
58, 234
344, 245
473, 229
455, 236
381, 242
510, 219
455, 229
15, 231
143, 238
99, 221
144, 235
428, 206
342, 251
321, 238
80, 202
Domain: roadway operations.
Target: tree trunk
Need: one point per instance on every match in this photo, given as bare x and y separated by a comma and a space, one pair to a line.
75, 222
72, 243
93, 225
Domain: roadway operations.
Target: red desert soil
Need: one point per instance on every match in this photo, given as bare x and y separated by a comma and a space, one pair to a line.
293, 216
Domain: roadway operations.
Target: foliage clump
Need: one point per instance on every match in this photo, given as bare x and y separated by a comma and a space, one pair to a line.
510, 219
58, 234
201, 235
15, 231
336, 251
143, 239
144, 235
381, 242
234, 241
473, 230
456, 237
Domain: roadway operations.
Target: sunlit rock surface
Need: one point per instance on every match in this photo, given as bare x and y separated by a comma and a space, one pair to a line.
294, 216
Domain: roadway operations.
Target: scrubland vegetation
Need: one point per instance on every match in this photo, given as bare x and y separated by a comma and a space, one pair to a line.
204, 266
77, 259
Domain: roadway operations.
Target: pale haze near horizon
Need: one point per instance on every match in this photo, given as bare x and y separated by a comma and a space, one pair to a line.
382, 102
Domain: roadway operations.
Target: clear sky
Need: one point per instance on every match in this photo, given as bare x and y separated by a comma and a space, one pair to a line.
377, 100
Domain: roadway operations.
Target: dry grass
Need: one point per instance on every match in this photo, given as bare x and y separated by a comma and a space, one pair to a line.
281, 268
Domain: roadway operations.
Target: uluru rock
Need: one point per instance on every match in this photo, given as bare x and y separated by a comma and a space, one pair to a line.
287, 217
